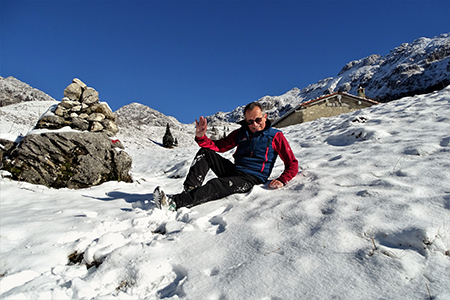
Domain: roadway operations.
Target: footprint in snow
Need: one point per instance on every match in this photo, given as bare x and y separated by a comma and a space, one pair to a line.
214, 222
175, 286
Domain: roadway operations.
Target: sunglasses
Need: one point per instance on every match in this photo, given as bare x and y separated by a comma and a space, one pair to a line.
257, 120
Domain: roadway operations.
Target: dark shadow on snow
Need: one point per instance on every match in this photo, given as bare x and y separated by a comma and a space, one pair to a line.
143, 201
156, 143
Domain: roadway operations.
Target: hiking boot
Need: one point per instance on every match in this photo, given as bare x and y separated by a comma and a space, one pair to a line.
162, 200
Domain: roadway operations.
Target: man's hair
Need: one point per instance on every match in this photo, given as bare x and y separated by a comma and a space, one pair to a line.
251, 106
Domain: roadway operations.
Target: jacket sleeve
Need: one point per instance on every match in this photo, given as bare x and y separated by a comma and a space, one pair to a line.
282, 147
222, 145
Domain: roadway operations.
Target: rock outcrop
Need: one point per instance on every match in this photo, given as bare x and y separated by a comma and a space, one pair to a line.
84, 155
68, 159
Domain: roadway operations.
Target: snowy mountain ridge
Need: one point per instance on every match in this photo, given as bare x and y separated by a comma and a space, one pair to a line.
413, 68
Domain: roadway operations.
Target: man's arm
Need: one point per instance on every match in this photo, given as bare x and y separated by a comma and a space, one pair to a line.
282, 147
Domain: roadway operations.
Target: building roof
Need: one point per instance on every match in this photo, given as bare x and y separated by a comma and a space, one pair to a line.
320, 99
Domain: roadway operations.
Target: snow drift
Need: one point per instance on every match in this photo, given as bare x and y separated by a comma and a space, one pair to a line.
368, 217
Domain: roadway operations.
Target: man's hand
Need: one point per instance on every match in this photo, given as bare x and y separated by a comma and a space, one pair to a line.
276, 184
201, 127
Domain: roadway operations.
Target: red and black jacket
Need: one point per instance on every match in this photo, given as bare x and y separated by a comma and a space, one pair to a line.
257, 152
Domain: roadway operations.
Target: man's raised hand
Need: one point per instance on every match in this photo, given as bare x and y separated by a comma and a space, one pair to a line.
201, 127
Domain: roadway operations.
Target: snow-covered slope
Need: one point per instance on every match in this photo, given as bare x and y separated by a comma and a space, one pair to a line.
19, 118
413, 68
138, 122
145, 127
368, 217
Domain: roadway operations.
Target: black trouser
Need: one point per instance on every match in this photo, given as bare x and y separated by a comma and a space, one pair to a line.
229, 180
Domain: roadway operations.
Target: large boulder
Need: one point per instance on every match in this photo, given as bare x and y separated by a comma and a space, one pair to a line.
68, 159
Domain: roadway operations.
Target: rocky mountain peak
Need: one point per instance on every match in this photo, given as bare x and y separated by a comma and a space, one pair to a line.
14, 91
136, 115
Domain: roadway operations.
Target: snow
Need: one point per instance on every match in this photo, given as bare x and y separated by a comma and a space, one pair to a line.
368, 217
19, 119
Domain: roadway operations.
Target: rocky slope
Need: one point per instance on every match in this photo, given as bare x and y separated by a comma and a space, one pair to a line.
14, 91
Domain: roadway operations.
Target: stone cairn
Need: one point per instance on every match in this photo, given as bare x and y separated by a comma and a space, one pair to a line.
78, 158
82, 110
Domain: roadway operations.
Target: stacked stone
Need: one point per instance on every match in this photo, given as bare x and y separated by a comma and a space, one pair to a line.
81, 109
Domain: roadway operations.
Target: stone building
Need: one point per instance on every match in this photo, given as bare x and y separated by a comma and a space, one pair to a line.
324, 107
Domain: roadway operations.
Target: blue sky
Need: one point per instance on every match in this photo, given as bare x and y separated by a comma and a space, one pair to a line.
192, 58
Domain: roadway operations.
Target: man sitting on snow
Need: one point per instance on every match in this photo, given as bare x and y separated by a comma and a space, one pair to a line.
258, 146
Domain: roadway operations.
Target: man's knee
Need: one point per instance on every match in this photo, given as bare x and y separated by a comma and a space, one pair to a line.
208, 154
230, 185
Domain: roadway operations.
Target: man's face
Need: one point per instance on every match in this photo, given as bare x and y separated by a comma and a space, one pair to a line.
255, 115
